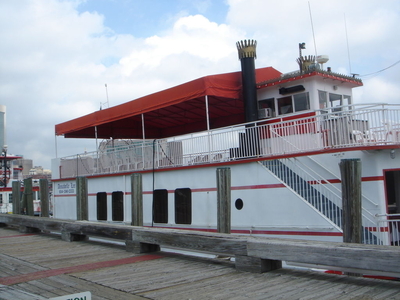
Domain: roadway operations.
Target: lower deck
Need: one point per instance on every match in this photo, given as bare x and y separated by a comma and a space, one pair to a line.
264, 198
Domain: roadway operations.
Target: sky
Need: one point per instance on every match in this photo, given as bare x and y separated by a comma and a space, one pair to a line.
57, 56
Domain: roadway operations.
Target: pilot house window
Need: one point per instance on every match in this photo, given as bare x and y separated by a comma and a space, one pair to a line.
294, 103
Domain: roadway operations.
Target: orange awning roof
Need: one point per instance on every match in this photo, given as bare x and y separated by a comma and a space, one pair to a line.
174, 111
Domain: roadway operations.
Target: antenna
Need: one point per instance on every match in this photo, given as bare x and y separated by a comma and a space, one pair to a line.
312, 27
108, 103
347, 41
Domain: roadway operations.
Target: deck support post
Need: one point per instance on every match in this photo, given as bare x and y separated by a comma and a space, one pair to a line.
16, 196
73, 237
138, 247
82, 199
224, 200
44, 197
28, 193
137, 199
255, 264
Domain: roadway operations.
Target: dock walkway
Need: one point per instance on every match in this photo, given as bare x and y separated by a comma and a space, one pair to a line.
45, 266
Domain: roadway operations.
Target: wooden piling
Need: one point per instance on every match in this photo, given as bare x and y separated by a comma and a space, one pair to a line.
137, 199
224, 200
16, 197
82, 199
350, 170
28, 194
44, 197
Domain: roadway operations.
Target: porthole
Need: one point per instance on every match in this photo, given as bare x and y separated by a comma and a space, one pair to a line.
239, 204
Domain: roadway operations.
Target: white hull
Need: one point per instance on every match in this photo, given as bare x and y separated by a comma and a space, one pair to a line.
269, 207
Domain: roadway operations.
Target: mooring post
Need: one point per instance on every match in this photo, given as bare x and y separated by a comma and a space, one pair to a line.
224, 200
44, 197
137, 199
82, 199
16, 197
350, 170
137, 217
28, 192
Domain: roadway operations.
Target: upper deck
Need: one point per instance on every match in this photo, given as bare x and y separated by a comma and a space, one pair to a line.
332, 129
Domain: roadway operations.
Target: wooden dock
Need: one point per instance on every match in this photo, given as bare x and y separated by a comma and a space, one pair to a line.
43, 265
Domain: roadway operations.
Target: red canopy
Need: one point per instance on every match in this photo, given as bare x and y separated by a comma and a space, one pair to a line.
174, 111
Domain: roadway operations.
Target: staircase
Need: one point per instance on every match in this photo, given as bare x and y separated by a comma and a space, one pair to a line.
304, 189
323, 199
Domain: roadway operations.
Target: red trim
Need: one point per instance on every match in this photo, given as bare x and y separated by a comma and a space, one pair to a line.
260, 186
365, 276
75, 269
375, 229
249, 160
302, 76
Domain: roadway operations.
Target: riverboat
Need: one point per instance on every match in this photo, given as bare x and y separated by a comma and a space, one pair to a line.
281, 135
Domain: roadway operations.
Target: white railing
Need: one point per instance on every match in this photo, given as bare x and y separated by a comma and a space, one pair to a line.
5, 208
339, 127
389, 229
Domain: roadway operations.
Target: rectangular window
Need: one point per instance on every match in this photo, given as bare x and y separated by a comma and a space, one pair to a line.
285, 105
335, 101
101, 200
323, 99
10, 199
266, 108
160, 205
117, 206
1, 198
301, 102
294, 103
183, 206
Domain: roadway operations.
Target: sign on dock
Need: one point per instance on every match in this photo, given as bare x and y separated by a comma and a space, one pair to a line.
79, 296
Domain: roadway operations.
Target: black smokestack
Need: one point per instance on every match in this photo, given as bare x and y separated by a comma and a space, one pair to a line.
247, 55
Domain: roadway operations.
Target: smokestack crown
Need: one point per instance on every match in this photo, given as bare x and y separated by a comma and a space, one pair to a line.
247, 48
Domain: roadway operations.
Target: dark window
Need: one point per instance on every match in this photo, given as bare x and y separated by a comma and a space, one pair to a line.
183, 206
301, 102
102, 206
160, 203
10, 199
285, 105
117, 206
392, 184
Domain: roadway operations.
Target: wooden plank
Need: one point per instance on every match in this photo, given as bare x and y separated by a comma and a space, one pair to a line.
8, 292
357, 256
196, 241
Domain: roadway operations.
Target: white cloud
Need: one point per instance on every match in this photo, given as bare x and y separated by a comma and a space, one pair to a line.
55, 61
193, 35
